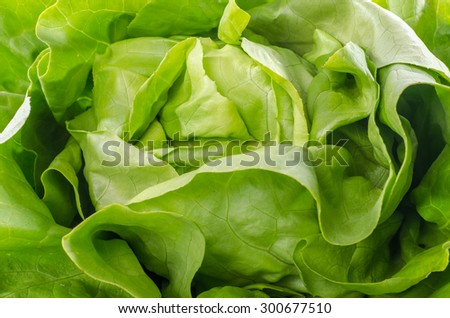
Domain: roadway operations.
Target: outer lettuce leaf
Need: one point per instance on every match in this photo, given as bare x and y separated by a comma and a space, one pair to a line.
417, 235
75, 31
339, 193
18, 42
248, 215
18, 48
345, 92
432, 197
41, 135
394, 82
248, 4
349, 204
429, 19
111, 245
176, 17
33, 263
385, 37
292, 284
435, 286
366, 267
232, 292
10, 104
46, 271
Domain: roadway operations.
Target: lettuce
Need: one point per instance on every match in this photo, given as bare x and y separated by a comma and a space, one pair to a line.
156, 148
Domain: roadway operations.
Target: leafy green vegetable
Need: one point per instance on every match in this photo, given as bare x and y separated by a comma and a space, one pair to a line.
429, 19
232, 292
165, 243
234, 148
33, 262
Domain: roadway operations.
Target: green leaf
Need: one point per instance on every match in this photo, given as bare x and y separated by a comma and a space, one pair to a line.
225, 148
41, 134
117, 171
251, 211
429, 19
283, 62
18, 42
344, 92
417, 235
153, 93
324, 45
126, 66
268, 104
233, 22
17, 122
18, 47
112, 244
75, 31
248, 4
290, 75
395, 80
232, 292
432, 197
33, 263
63, 193
194, 106
195, 97
349, 205
177, 17
365, 267
385, 38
